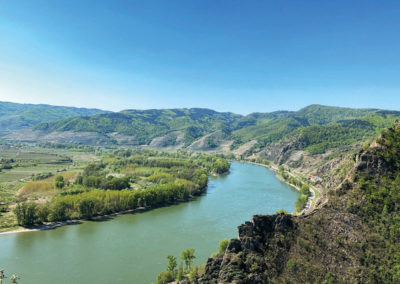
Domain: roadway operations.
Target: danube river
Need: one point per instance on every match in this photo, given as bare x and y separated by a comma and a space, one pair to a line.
132, 248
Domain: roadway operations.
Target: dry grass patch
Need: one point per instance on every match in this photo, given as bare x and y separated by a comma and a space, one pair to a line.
37, 187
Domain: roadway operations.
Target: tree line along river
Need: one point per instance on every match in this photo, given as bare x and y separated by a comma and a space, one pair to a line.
132, 248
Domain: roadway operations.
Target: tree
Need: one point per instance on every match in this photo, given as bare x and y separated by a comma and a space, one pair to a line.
25, 213
222, 246
58, 211
188, 256
172, 264
87, 207
59, 182
42, 213
220, 166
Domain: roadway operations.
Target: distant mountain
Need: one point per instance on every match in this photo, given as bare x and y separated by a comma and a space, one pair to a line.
145, 125
15, 116
315, 128
335, 123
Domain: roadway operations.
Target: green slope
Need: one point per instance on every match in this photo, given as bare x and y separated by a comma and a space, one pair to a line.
315, 120
16, 116
147, 124
315, 128
353, 237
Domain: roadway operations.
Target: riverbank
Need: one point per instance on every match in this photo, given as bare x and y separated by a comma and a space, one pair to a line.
135, 246
311, 199
54, 225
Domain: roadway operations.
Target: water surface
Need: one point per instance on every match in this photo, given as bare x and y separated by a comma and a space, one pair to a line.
133, 248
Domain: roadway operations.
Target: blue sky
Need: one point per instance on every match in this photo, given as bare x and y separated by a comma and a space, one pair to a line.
232, 55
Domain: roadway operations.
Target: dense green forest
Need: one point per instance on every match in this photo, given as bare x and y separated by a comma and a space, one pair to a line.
122, 180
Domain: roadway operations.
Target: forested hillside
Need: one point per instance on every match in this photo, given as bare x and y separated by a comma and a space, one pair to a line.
315, 129
16, 116
352, 237
142, 126
147, 124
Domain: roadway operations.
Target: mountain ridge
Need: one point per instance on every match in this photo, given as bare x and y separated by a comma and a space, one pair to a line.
14, 116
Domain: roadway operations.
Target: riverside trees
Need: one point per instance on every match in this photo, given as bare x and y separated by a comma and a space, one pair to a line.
125, 180
173, 274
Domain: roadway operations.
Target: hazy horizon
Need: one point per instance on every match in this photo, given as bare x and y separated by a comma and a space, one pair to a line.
276, 110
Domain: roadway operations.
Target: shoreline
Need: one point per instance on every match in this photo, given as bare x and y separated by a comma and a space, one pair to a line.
54, 225
275, 169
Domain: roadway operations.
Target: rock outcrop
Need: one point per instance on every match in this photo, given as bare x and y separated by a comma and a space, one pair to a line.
339, 242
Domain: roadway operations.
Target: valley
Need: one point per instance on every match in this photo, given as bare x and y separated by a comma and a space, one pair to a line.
86, 170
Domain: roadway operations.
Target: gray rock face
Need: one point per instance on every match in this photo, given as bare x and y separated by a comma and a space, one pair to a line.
242, 260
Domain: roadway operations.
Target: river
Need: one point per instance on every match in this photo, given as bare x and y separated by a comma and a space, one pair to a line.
132, 248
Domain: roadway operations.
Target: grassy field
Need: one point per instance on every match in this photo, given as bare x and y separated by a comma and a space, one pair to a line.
16, 183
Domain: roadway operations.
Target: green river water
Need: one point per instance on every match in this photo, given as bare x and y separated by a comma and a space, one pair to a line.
132, 248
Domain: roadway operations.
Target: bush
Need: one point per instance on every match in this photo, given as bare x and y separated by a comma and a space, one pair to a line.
222, 246
165, 277
59, 182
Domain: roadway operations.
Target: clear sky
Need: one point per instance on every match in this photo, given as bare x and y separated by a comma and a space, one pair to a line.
231, 55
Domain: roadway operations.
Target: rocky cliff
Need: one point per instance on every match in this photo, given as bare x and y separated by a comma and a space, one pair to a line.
351, 237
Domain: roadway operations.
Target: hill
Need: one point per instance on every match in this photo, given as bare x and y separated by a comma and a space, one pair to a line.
352, 237
313, 130
15, 116
266, 128
144, 125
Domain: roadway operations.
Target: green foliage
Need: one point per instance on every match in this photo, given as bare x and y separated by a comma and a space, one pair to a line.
165, 277
211, 143
88, 207
193, 274
220, 166
173, 274
188, 257
171, 264
301, 202
26, 213
317, 128
59, 182
390, 151
159, 178
41, 176
147, 124
222, 246
305, 189
6, 164
319, 138
180, 274
15, 116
